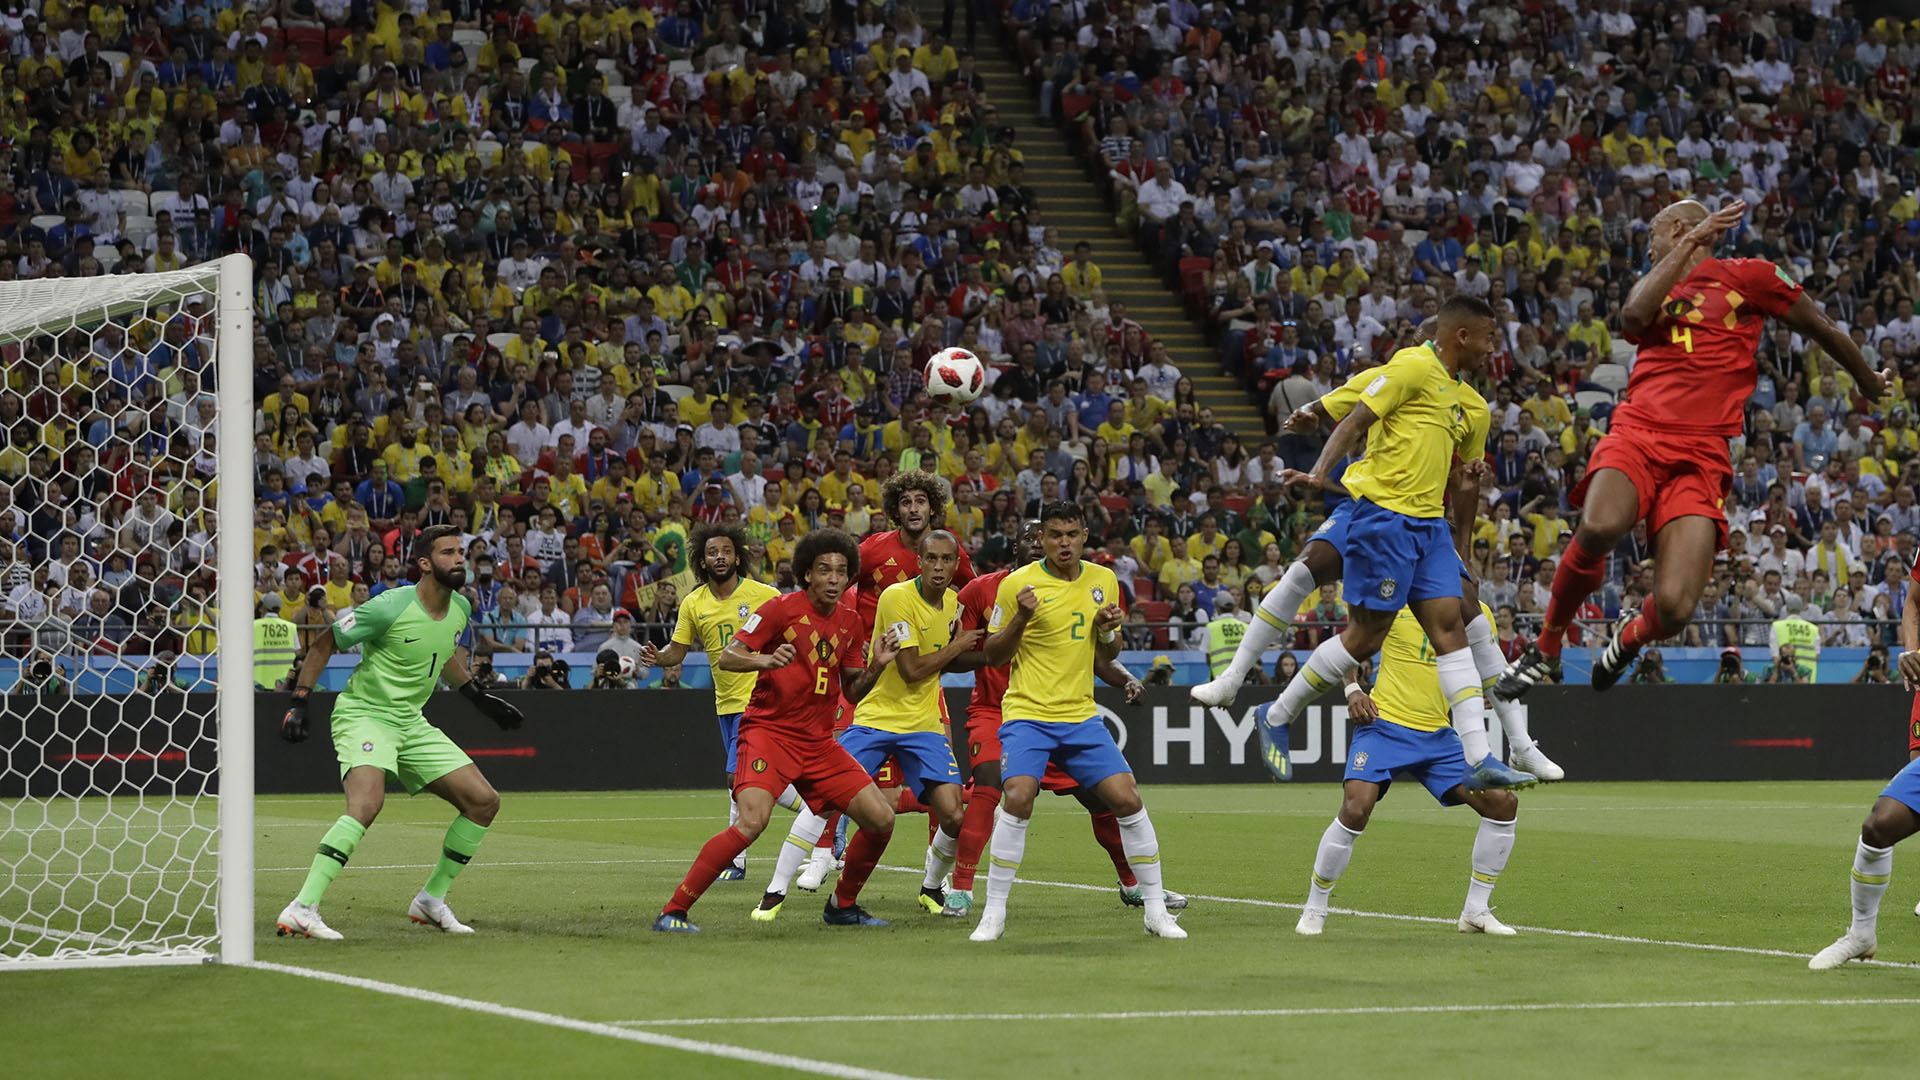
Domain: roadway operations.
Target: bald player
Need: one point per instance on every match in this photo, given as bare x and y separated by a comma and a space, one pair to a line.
1696, 321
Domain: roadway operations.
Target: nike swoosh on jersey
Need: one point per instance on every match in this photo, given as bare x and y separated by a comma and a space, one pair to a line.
408, 641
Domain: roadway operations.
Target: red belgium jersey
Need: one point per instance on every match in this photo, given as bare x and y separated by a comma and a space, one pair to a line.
976, 605
800, 700
885, 561
1695, 369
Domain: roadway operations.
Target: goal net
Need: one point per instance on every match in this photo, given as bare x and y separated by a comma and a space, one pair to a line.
126, 611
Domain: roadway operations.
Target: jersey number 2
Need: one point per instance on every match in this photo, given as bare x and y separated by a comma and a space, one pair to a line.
1079, 629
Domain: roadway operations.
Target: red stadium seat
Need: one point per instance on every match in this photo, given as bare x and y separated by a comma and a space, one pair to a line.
336, 35
311, 39
1236, 504
1072, 105
1144, 590
1115, 504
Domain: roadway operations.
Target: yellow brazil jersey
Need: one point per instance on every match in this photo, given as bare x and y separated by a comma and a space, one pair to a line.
1051, 679
1408, 690
1426, 414
707, 621
895, 704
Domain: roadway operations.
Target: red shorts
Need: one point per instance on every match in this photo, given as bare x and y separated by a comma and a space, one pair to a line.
1913, 727
983, 744
1676, 475
825, 775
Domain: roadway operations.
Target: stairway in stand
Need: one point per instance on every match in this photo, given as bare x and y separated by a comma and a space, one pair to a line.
1070, 202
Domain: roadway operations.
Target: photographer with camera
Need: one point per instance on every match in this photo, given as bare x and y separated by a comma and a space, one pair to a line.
159, 678
1876, 669
1732, 668
40, 677
1786, 669
608, 673
546, 673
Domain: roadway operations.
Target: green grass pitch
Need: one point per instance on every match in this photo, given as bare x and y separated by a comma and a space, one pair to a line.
564, 889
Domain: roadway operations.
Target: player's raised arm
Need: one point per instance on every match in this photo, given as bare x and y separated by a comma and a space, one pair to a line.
1106, 632
492, 706
1644, 301
293, 725
1007, 627
684, 635
1347, 436
1806, 318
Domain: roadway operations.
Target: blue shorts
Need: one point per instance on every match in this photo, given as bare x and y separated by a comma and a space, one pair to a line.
1905, 786
1393, 560
1084, 751
925, 757
730, 736
1334, 529
1383, 750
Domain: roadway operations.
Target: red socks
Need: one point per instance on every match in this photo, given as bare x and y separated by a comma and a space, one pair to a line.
909, 803
714, 858
831, 830
1580, 573
1644, 629
975, 831
1106, 829
863, 854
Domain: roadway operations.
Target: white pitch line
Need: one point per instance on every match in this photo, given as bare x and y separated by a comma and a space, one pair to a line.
1624, 939
590, 1027
1204, 1014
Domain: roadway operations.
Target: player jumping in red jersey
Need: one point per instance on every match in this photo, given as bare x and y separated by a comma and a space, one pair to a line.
807, 647
977, 742
1696, 321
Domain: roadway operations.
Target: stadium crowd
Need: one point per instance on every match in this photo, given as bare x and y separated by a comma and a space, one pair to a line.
578, 277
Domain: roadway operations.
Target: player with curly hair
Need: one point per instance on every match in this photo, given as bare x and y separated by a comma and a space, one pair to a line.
806, 649
709, 616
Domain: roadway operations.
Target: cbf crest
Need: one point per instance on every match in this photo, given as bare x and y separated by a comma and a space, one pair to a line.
745, 611
1099, 595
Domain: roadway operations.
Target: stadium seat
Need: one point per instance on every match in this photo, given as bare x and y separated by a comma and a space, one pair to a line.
1622, 352
1115, 504
138, 227
488, 151
1236, 504
1144, 589
471, 41
133, 201
498, 340
313, 40
46, 221
527, 64
1156, 611
676, 391
1611, 376
107, 256
336, 35
1590, 399
116, 60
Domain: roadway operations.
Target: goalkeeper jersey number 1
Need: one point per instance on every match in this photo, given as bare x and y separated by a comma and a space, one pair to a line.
402, 651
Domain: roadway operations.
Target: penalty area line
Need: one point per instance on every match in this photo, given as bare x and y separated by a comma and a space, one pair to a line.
1204, 1014
588, 1027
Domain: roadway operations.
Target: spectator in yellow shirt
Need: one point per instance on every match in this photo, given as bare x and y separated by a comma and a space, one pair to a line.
1116, 429
1592, 333
1150, 548
1548, 526
1162, 485
1548, 408
1178, 569
404, 453
1081, 275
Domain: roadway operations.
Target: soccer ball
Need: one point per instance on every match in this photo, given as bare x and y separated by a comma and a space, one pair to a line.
626, 667
955, 377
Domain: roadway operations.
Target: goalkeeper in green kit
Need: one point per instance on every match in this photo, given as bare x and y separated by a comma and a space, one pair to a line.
409, 638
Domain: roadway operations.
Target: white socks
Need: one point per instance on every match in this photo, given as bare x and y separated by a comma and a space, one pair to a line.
1872, 868
790, 799
796, 850
1489, 661
1008, 847
1272, 624
939, 858
1460, 684
1336, 850
1143, 858
1491, 847
1326, 668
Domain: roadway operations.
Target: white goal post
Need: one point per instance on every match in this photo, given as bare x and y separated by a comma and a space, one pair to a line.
126, 780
